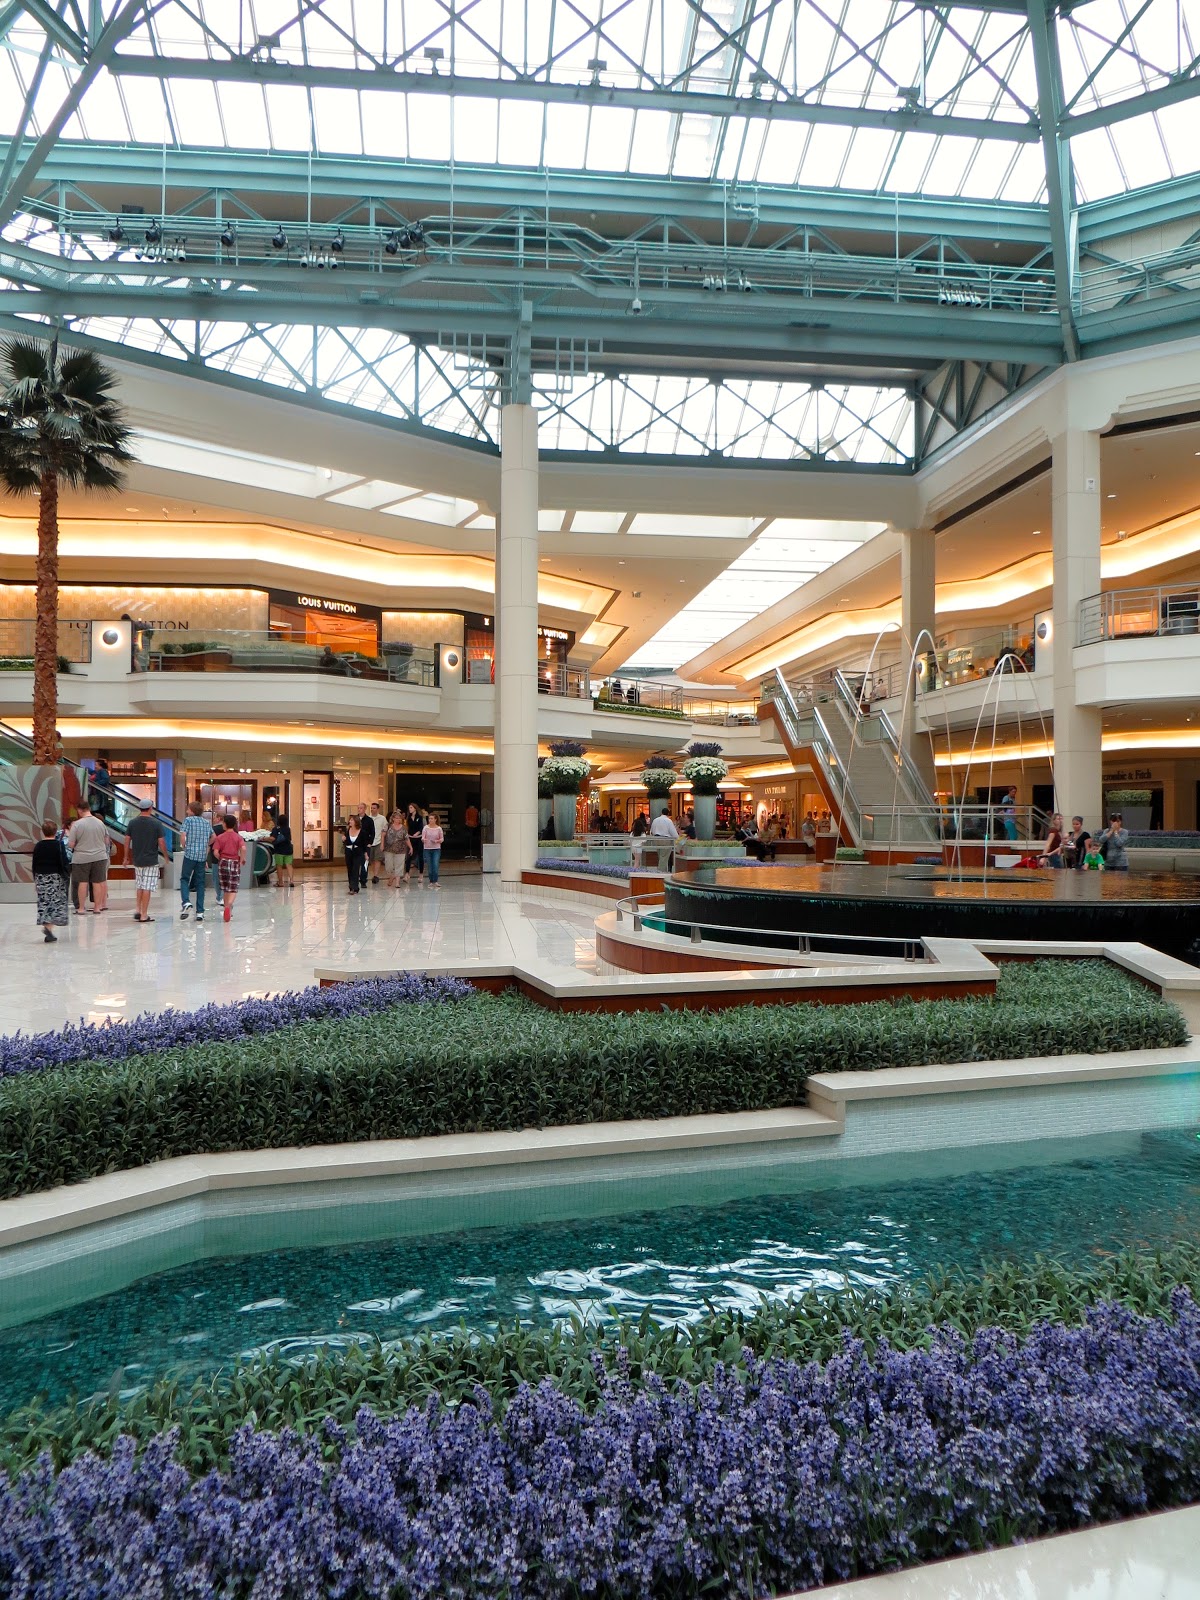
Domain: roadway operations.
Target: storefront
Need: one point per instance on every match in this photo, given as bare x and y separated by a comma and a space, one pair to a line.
339, 626
479, 663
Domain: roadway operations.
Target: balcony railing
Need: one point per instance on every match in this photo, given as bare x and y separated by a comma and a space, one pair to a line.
721, 713
634, 695
225, 650
572, 683
16, 644
1169, 610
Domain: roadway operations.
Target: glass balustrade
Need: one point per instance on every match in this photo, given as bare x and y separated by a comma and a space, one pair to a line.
157, 650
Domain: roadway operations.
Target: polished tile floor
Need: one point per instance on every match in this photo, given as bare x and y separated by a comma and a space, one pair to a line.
1150, 1558
112, 966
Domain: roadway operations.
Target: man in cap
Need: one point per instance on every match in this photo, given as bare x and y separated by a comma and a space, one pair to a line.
144, 842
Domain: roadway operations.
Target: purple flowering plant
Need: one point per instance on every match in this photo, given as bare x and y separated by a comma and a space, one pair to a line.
591, 869
167, 1030
773, 1478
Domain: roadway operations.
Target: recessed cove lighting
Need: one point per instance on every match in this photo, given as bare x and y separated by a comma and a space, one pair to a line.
1111, 497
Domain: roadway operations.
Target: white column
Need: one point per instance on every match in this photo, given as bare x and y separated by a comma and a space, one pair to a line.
918, 582
1075, 491
516, 643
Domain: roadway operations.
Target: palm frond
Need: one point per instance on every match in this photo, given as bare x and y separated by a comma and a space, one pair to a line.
25, 360
59, 414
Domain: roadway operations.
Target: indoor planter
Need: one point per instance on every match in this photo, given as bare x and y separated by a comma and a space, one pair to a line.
545, 801
564, 771
704, 770
1134, 805
658, 774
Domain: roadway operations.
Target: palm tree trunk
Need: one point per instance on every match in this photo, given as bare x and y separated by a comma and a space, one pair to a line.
45, 638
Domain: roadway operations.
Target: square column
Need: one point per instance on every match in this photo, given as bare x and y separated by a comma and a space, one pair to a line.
516, 643
918, 585
1075, 499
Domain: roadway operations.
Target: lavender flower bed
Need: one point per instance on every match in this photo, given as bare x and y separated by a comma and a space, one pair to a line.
779, 1477
167, 1030
591, 869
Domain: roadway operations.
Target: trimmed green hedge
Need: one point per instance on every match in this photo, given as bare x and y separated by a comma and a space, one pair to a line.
811, 1327
496, 1063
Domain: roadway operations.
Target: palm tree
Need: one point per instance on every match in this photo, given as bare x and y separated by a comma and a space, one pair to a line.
59, 424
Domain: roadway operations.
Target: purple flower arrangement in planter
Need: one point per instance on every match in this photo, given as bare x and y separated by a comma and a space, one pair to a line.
167, 1030
778, 1478
591, 869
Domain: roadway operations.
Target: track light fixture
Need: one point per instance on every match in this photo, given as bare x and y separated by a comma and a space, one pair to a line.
153, 233
227, 236
392, 243
279, 238
116, 233
338, 243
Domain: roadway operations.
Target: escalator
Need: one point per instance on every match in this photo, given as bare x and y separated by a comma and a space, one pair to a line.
115, 806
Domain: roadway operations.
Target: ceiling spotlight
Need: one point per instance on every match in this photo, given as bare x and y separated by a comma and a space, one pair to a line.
279, 238
116, 233
392, 243
153, 233
227, 236
338, 243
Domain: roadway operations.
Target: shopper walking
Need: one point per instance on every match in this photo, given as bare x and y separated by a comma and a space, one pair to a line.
356, 842
416, 826
145, 841
281, 838
51, 874
218, 828
229, 850
193, 871
431, 838
397, 850
379, 824
87, 840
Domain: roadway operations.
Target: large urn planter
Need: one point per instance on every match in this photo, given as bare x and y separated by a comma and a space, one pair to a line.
658, 804
564, 816
545, 811
704, 807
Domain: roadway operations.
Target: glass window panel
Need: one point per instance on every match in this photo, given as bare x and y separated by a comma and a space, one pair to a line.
385, 131
337, 122
1139, 146
476, 132
823, 156
566, 135
287, 114
197, 120
651, 131
610, 134
519, 141
245, 115
102, 114
428, 127
867, 158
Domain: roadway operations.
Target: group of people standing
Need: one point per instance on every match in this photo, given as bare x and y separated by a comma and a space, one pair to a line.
405, 842
1084, 851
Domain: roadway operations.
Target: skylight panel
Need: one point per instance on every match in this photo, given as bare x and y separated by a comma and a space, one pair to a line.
196, 114
429, 117
337, 121
287, 116
476, 132
519, 140
770, 570
244, 114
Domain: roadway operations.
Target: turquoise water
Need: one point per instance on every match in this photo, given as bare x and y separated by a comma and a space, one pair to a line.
828, 1225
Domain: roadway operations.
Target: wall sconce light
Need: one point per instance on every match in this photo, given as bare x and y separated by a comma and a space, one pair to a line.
110, 637
1044, 629
451, 660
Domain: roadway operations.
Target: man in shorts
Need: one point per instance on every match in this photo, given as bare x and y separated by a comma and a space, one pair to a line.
144, 842
87, 840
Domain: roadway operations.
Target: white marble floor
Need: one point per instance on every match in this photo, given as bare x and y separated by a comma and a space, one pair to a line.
1150, 1558
112, 966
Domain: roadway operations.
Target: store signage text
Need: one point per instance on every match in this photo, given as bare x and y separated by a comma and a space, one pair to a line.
1130, 774
344, 608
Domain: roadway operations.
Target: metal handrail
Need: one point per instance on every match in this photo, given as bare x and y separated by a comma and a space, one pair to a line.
833, 772
911, 782
1165, 611
631, 905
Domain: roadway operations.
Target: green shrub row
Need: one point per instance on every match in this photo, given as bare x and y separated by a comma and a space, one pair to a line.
810, 1327
498, 1063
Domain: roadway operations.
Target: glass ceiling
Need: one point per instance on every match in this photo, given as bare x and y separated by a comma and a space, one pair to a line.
785, 555
942, 62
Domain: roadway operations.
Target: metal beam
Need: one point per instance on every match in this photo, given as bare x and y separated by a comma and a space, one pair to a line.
1186, 87
678, 102
120, 26
1060, 182
1174, 201
419, 187
53, 25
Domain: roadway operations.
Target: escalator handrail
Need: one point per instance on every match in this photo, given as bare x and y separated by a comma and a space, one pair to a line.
89, 787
